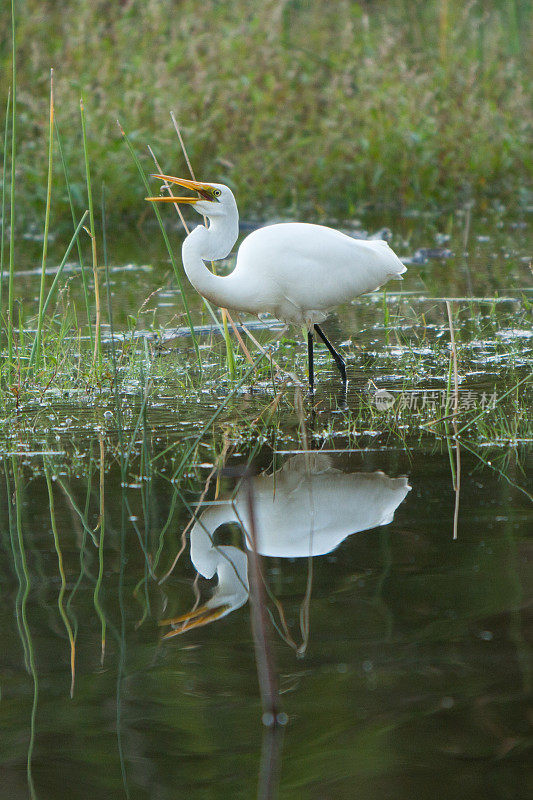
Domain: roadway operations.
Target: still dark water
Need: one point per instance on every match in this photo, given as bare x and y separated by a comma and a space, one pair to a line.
403, 655
416, 667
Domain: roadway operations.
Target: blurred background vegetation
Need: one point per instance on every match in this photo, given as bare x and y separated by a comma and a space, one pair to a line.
300, 106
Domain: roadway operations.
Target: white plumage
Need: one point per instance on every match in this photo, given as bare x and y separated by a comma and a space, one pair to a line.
301, 271
295, 271
307, 508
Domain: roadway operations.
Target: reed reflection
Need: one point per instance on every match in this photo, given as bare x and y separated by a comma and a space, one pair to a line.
305, 509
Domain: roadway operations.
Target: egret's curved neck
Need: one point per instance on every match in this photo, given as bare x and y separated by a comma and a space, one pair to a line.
211, 244
204, 554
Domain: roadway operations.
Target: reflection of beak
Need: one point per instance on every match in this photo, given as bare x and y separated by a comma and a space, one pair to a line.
202, 615
202, 188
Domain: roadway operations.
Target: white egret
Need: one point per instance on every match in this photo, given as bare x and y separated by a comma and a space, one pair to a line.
296, 271
307, 508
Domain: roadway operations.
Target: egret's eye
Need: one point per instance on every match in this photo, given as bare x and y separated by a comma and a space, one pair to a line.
217, 192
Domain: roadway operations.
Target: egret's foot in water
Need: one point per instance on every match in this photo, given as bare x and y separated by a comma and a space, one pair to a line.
341, 398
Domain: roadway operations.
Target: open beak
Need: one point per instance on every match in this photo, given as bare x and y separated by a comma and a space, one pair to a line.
203, 189
200, 616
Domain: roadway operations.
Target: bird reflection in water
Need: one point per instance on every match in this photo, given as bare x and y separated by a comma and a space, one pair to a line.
305, 509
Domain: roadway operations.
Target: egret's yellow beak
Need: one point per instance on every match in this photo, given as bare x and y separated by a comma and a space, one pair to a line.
203, 189
200, 616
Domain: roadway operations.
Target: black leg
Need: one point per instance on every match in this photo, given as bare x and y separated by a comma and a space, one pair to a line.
339, 361
310, 361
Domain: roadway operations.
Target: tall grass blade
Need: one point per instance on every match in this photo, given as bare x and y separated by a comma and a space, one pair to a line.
18, 571
386, 318
9, 316
456, 474
63, 588
167, 243
4, 166
214, 417
122, 642
80, 252
118, 407
97, 353
53, 287
98, 585
27, 633
186, 227
46, 221
70, 610
230, 356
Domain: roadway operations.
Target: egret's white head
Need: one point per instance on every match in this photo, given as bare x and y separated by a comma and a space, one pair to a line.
231, 566
215, 199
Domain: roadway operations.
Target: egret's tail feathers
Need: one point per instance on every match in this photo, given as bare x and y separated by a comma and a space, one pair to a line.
397, 276
395, 265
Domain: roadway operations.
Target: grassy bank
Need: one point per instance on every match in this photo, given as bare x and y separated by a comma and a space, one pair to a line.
300, 106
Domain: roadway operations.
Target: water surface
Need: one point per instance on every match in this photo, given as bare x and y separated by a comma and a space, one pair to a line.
399, 616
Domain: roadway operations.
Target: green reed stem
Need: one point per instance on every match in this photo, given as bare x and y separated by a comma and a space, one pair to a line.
53, 287
70, 600
386, 317
9, 319
20, 581
69, 608
122, 642
215, 416
118, 407
75, 238
78, 511
46, 220
21, 321
230, 356
170, 516
146, 498
80, 253
98, 585
27, 585
62, 590
97, 588
4, 165
167, 243
133, 439
500, 398
97, 353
